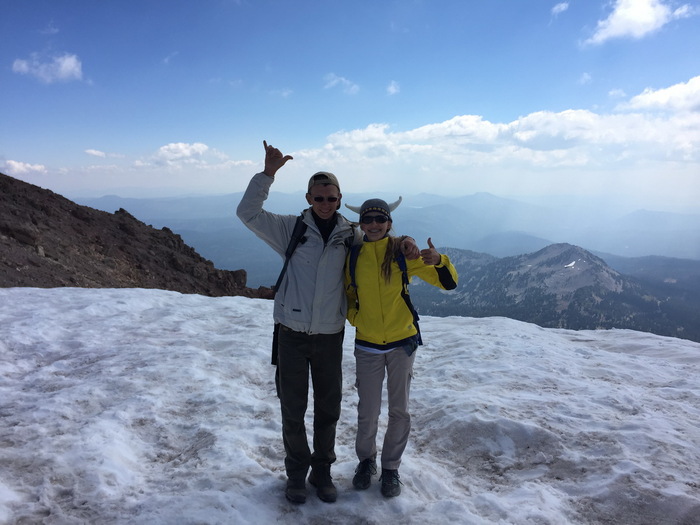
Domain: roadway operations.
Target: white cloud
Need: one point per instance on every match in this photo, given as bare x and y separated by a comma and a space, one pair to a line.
103, 168
172, 55
51, 29
393, 88
542, 152
332, 80
636, 19
283, 93
536, 142
464, 129
617, 93
14, 167
684, 96
63, 68
96, 153
543, 149
181, 152
585, 78
650, 144
560, 8
103, 155
196, 155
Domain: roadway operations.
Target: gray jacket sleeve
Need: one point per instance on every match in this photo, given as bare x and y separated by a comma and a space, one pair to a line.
272, 228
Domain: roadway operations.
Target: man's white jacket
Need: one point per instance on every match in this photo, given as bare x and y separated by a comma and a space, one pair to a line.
311, 297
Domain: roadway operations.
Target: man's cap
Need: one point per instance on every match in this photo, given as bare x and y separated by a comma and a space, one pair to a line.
323, 177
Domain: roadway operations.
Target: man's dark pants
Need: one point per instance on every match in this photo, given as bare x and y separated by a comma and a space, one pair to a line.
297, 354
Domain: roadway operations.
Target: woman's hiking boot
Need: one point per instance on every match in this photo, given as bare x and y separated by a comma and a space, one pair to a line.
363, 474
391, 484
320, 478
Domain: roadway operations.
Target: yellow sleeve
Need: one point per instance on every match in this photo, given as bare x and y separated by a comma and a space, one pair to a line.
443, 275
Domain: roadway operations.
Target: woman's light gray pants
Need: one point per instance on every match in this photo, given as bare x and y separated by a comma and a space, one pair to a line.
370, 379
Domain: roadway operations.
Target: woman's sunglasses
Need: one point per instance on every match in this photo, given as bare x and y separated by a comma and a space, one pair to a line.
369, 219
318, 198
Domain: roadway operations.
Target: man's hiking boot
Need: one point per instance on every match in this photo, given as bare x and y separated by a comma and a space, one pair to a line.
296, 490
320, 478
363, 474
391, 484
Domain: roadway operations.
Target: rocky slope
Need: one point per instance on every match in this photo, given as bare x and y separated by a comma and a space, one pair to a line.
48, 241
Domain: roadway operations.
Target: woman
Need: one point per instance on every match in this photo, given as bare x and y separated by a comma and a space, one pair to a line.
387, 335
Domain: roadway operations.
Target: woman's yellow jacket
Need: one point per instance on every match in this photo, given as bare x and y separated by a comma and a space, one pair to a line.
375, 307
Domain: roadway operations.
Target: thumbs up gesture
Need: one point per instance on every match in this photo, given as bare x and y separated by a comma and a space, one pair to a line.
430, 255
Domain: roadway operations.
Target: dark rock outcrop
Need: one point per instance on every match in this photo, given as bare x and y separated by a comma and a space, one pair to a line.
49, 241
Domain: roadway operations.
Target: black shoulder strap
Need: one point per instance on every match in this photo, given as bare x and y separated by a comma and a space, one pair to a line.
297, 237
352, 263
401, 260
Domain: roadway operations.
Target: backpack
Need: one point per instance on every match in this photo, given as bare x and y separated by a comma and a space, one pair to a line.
401, 260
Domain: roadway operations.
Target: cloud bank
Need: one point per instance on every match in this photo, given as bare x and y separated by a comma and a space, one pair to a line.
683, 97
649, 142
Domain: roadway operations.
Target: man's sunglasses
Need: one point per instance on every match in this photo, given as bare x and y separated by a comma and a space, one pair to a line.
369, 219
318, 198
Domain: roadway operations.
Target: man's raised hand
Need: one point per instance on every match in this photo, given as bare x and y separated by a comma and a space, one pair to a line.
409, 248
274, 159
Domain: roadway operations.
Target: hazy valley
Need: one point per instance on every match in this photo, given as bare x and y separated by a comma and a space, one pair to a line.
480, 223
569, 265
197, 245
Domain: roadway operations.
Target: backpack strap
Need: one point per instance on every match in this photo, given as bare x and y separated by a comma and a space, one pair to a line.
401, 260
352, 263
297, 237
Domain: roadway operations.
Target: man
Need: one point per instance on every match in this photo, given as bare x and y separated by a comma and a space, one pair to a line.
310, 306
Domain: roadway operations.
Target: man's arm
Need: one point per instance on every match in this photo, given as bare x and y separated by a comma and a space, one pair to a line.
272, 228
256, 194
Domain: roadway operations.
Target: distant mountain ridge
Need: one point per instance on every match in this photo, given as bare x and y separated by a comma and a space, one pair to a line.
554, 284
561, 286
481, 222
47, 240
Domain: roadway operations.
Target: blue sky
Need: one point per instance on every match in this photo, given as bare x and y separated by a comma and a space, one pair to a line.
513, 97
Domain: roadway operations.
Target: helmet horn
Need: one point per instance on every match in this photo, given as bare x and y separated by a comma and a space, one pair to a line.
395, 205
358, 209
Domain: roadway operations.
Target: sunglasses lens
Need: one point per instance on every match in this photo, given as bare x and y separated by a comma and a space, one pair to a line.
329, 199
379, 219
